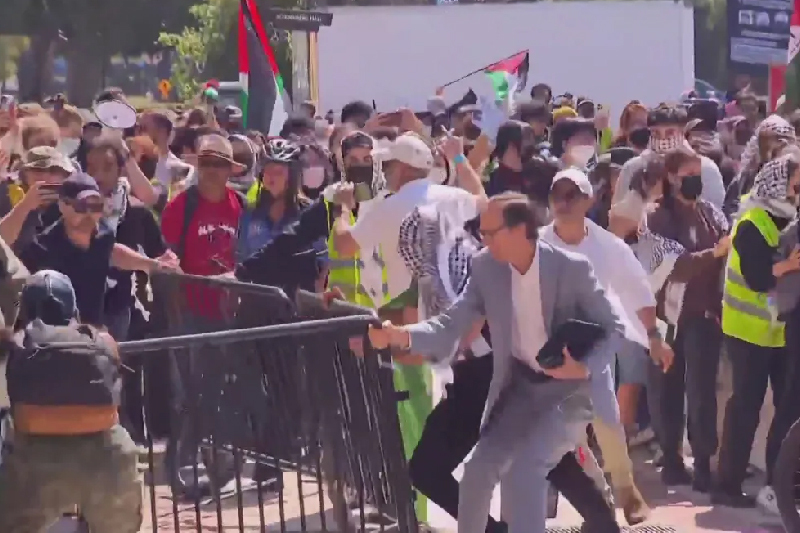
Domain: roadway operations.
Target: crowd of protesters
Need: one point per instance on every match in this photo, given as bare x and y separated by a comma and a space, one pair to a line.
684, 216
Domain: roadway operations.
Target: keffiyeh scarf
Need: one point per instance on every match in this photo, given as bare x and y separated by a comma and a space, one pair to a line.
770, 189
438, 254
116, 204
750, 161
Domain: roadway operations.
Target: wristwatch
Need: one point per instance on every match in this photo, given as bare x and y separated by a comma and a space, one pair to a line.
654, 334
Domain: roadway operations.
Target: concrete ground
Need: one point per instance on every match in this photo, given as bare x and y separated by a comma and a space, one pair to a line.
681, 509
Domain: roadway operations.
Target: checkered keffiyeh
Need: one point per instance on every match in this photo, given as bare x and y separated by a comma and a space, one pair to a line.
438, 254
770, 189
772, 181
751, 159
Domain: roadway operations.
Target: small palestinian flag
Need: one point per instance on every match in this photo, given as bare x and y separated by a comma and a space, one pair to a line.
510, 72
265, 103
792, 84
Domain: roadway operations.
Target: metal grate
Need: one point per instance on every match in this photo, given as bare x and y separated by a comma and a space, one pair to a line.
626, 529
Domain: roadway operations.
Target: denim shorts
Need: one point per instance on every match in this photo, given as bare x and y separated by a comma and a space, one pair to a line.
632, 362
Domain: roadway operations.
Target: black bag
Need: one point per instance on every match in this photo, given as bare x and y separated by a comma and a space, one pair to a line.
63, 366
578, 336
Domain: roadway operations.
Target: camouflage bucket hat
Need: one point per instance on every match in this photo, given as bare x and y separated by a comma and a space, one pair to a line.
46, 157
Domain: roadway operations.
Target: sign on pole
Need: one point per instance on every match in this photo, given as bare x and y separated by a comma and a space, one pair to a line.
164, 87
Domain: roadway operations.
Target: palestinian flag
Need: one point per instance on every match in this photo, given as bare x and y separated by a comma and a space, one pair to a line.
793, 66
503, 73
265, 103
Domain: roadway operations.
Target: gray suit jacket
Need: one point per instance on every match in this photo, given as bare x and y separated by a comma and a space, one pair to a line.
569, 290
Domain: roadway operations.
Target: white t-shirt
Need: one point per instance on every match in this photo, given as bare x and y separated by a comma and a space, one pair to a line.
379, 227
528, 333
618, 271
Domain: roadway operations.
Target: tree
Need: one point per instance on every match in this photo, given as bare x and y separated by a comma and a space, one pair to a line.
710, 41
88, 33
11, 48
214, 22
208, 48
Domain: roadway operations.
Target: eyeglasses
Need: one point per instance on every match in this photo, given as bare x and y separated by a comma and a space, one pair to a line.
83, 207
490, 233
213, 162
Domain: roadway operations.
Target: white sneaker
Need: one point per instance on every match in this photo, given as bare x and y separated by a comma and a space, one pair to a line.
767, 501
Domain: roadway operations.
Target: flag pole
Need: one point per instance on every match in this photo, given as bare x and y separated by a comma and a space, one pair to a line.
465, 76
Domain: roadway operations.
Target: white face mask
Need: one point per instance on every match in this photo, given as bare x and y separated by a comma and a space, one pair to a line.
68, 146
437, 175
313, 177
581, 155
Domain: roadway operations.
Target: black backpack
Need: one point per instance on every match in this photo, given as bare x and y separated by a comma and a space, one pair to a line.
63, 366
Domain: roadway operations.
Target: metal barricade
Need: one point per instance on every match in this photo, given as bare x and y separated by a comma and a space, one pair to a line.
276, 425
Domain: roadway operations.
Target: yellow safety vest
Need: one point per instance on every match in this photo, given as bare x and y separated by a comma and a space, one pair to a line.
15, 193
747, 315
252, 193
345, 274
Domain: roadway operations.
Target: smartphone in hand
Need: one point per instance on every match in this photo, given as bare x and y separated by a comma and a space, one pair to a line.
6, 102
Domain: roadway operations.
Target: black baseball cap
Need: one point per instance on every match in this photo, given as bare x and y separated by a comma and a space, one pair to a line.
49, 296
617, 157
79, 186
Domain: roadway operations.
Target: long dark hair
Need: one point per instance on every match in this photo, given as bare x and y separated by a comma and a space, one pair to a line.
293, 196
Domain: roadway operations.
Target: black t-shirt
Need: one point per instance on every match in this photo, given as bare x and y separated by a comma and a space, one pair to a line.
86, 268
36, 222
138, 230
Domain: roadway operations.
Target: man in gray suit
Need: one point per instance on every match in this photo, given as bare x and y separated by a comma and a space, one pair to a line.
525, 289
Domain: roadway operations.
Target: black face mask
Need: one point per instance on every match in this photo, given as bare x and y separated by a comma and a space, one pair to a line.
313, 194
359, 174
640, 137
691, 187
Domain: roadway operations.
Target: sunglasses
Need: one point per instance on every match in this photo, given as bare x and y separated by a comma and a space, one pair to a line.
84, 207
213, 162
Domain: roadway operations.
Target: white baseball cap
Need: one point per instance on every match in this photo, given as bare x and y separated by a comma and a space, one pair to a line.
576, 176
408, 149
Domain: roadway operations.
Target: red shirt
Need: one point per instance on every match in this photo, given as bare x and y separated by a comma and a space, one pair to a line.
210, 241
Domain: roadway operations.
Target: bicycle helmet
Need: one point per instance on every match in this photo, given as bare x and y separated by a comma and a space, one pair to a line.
281, 151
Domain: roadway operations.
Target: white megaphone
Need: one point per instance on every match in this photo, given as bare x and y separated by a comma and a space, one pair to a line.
114, 113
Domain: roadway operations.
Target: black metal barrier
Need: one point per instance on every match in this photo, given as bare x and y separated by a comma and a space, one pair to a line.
276, 424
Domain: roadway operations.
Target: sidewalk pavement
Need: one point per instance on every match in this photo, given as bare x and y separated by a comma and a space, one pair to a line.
680, 508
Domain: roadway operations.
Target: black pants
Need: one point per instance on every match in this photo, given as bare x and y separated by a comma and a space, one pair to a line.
752, 368
689, 386
788, 410
452, 430
146, 388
